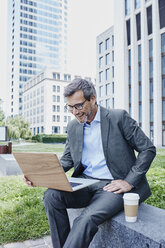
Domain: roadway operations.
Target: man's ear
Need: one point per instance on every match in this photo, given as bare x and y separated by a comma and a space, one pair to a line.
93, 100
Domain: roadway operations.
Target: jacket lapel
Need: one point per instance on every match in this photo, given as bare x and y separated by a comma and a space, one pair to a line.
105, 122
79, 135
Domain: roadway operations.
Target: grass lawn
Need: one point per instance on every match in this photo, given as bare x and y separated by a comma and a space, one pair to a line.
22, 214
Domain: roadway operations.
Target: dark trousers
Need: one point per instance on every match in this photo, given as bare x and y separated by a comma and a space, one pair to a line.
99, 206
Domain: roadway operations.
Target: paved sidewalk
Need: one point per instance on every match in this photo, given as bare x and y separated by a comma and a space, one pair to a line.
39, 243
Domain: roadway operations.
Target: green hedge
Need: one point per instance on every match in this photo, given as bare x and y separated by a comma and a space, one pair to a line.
54, 138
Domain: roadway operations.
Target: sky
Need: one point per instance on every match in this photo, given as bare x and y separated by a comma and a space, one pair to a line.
86, 20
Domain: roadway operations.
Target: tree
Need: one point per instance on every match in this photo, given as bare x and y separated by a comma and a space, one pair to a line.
18, 128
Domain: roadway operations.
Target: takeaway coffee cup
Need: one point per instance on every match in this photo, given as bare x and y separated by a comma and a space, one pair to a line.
131, 202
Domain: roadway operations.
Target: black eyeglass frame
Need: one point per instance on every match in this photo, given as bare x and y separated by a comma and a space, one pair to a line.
78, 106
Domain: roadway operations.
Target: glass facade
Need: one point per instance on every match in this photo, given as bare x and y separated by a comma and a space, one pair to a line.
140, 84
39, 30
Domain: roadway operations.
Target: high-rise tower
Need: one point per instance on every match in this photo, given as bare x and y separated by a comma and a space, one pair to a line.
139, 31
37, 37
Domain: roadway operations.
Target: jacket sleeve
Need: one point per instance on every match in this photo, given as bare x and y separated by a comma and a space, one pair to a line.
66, 159
142, 144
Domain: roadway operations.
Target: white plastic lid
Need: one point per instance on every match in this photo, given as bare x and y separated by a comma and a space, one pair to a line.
131, 196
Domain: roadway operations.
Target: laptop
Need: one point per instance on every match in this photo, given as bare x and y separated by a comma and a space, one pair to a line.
45, 170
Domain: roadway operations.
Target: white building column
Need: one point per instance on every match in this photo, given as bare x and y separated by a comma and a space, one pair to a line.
157, 81
145, 71
134, 67
121, 57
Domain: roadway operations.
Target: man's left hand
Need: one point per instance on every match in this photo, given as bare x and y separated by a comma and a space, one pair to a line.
118, 186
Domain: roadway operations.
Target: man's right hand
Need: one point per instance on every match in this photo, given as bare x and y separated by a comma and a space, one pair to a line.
26, 180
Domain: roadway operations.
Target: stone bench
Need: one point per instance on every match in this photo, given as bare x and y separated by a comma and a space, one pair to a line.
147, 232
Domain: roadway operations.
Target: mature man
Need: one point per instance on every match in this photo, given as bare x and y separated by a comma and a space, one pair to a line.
100, 144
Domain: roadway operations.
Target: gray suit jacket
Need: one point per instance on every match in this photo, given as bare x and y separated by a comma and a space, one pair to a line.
121, 137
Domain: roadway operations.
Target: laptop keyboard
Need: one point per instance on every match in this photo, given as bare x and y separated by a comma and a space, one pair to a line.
74, 184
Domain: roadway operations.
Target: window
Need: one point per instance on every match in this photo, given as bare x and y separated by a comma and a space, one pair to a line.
139, 53
140, 113
140, 92
163, 65
107, 44
55, 129
150, 48
107, 59
107, 74
139, 73
129, 57
54, 118
112, 40
113, 72
113, 102
65, 118
58, 98
163, 43
54, 98
128, 27
127, 7
163, 87
54, 108
137, 4
151, 89
149, 19
58, 89
107, 89
101, 91
151, 69
138, 26
54, 88
113, 88
107, 103
112, 56
58, 118
56, 76
161, 13
129, 94
58, 108
151, 111
101, 47
101, 76
100, 62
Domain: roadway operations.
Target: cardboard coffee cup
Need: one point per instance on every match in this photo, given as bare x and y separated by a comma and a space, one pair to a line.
131, 203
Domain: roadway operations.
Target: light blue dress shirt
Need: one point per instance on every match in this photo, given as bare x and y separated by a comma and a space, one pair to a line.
93, 158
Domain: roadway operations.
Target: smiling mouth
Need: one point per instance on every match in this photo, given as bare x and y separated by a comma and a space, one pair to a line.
79, 116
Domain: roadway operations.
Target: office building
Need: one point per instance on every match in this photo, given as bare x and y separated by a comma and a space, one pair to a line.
37, 36
139, 31
44, 103
105, 68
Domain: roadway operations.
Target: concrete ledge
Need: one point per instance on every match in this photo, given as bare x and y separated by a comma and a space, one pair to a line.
147, 232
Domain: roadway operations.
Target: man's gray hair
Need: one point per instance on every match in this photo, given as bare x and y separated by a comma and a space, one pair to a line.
80, 84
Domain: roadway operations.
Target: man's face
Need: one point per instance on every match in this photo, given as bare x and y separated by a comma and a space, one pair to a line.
89, 109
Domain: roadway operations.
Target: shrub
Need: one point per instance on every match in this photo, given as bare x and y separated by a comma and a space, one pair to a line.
54, 139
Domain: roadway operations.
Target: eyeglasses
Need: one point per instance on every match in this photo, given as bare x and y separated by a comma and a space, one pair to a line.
78, 106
